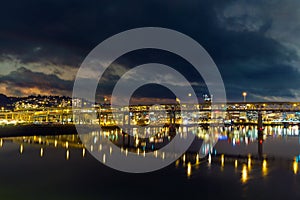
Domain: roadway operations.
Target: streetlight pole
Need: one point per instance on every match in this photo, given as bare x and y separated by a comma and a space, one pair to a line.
244, 95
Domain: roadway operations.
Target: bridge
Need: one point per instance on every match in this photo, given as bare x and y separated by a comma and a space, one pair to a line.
258, 113
272, 112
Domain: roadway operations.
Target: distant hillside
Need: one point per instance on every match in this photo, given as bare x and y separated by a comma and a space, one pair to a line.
4, 100
31, 101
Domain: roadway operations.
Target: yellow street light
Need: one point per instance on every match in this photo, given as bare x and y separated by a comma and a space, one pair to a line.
244, 95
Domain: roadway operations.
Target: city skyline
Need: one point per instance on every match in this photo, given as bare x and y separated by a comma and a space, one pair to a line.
254, 44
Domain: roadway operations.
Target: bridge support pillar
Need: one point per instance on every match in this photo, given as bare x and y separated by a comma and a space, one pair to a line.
172, 127
260, 135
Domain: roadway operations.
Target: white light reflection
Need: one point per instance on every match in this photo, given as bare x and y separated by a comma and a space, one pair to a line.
68, 155
21, 148
209, 159
83, 152
41, 152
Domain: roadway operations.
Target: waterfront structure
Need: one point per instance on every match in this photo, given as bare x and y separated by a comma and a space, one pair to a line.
239, 113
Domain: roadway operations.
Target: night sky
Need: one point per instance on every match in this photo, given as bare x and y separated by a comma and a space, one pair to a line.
255, 44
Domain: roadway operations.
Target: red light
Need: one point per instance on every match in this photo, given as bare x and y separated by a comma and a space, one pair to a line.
260, 141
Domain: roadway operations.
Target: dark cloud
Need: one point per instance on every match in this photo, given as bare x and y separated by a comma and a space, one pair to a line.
243, 39
23, 81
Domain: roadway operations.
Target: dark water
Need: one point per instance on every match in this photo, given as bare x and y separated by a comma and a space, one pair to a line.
58, 173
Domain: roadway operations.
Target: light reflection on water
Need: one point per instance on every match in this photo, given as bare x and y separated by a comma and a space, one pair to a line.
244, 177
244, 167
242, 140
295, 167
264, 168
234, 137
248, 172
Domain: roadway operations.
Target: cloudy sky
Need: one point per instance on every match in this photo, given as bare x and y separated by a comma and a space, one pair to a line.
255, 44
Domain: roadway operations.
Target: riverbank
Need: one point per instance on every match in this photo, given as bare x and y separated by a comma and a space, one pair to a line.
33, 129
48, 129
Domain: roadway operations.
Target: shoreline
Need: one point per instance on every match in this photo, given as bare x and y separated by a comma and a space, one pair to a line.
33, 129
